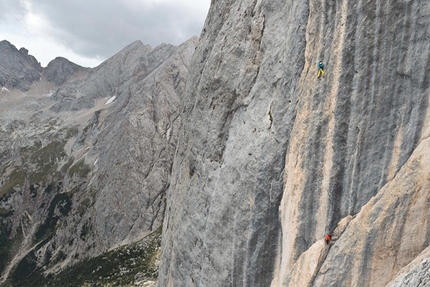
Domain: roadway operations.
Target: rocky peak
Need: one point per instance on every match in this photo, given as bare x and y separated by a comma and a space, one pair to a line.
18, 69
61, 70
124, 58
7, 47
132, 64
23, 51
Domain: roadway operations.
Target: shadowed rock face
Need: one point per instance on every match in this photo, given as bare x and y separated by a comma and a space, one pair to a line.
271, 158
21, 71
60, 70
17, 69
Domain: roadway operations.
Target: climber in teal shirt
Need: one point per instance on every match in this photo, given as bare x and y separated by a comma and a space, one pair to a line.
320, 69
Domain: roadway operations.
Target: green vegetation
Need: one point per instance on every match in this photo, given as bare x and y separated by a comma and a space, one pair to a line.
40, 175
65, 167
118, 267
4, 249
8, 245
33, 191
17, 177
83, 206
49, 154
5, 212
46, 159
61, 202
45, 176
86, 229
29, 150
73, 131
80, 168
25, 268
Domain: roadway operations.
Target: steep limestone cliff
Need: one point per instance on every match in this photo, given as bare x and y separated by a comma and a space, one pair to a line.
271, 158
133, 175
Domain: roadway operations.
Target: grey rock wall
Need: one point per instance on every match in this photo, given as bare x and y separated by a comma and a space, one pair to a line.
132, 64
133, 173
359, 125
222, 221
61, 70
415, 273
21, 71
388, 233
18, 69
271, 158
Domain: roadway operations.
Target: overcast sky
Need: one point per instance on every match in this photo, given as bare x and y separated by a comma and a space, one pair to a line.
88, 32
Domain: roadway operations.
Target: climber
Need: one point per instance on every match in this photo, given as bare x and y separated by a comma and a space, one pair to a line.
320, 69
327, 238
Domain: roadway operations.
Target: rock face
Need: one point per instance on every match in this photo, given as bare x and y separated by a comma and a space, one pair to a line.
17, 69
415, 273
109, 79
61, 70
133, 175
86, 169
21, 71
270, 158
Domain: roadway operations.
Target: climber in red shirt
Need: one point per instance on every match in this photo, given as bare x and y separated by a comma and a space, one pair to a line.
327, 238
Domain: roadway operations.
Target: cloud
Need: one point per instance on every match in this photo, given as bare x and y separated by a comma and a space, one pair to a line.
101, 28
11, 11
97, 29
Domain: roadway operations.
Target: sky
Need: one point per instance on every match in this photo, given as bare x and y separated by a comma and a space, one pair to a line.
87, 32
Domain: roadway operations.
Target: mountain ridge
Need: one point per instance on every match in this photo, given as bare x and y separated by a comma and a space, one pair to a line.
97, 140
18, 68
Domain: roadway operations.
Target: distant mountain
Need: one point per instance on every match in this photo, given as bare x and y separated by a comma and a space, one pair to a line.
21, 71
85, 160
131, 65
61, 70
18, 69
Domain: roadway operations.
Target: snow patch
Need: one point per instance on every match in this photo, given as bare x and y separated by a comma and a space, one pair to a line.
51, 92
110, 100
